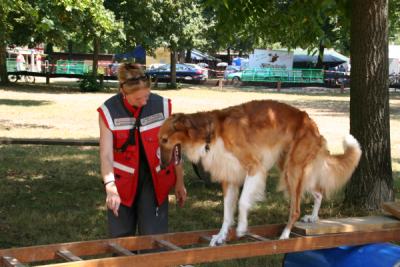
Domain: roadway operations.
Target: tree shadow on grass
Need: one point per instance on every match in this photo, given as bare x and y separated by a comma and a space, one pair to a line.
396, 178
15, 102
50, 194
53, 88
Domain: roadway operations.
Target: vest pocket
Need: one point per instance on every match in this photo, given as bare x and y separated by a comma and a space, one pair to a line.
120, 138
166, 179
124, 180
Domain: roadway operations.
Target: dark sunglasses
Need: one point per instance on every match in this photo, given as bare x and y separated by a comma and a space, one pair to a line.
136, 80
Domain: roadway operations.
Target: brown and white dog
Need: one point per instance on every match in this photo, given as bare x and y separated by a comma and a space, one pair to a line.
240, 144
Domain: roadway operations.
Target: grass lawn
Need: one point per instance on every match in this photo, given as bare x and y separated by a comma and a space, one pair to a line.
52, 194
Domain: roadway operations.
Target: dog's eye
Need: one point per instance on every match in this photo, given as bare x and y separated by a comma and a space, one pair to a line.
164, 140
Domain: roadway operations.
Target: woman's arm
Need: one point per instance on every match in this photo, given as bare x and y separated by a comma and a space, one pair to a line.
180, 190
107, 172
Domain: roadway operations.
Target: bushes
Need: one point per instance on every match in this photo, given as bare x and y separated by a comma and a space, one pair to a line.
89, 83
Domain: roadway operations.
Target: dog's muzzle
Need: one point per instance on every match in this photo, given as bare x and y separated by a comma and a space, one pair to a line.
176, 157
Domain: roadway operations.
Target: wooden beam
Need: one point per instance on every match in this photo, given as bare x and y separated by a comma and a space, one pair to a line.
241, 250
133, 243
256, 237
196, 254
205, 238
11, 262
67, 255
344, 225
166, 244
393, 208
115, 248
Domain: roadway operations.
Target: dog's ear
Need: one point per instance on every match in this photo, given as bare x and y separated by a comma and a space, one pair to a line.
182, 122
210, 128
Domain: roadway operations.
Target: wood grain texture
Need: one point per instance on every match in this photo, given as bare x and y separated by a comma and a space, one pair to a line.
345, 225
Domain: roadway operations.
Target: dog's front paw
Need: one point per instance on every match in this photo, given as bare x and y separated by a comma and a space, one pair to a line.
285, 234
218, 239
241, 231
310, 219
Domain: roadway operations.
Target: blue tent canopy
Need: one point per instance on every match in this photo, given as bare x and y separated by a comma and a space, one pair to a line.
331, 58
138, 53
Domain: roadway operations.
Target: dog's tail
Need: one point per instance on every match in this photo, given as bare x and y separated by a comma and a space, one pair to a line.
337, 169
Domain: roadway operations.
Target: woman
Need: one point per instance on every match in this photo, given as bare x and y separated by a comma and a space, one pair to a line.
136, 187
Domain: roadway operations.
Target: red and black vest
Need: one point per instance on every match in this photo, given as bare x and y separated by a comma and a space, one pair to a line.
117, 115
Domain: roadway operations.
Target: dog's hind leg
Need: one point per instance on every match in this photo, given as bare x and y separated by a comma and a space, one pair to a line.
231, 192
253, 190
295, 193
317, 204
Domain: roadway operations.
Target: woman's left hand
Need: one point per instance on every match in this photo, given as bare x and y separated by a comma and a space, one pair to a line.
180, 194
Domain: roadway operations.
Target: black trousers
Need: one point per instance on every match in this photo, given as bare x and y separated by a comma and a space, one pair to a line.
145, 217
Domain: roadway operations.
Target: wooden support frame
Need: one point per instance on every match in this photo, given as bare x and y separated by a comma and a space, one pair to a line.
166, 244
11, 262
256, 237
201, 254
117, 249
67, 255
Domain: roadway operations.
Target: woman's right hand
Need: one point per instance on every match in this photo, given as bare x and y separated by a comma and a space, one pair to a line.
112, 200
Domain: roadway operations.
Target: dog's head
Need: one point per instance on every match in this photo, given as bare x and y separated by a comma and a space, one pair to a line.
181, 130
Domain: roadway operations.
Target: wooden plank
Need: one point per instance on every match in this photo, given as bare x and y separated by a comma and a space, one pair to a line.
120, 250
67, 255
11, 262
256, 237
393, 208
166, 244
344, 225
205, 238
241, 250
36, 141
95, 247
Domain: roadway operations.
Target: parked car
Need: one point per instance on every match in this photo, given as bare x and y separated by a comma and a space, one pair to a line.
204, 70
234, 77
184, 72
336, 78
230, 69
155, 66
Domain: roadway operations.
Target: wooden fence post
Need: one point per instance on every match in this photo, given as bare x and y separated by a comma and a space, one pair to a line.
278, 86
220, 83
47, 78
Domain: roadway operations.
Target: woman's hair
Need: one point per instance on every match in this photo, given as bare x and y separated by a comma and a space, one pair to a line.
132, 78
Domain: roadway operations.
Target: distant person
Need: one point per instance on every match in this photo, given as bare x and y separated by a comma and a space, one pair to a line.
136, 188
39, 63
341, 68
20, 62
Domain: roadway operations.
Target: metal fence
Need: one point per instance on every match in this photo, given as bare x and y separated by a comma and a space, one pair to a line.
283, 75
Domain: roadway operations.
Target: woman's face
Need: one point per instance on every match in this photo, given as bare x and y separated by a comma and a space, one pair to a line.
138, 98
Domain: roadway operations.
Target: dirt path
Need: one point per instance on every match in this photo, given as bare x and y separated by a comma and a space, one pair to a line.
73, 115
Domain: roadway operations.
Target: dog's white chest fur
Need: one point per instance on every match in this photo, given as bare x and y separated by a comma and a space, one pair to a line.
222, 164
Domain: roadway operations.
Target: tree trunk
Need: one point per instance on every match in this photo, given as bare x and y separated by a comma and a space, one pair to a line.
173, 69
49, 52
188, 58
320, 62
96, 48
181, 56
69, 50
3, 63
372, 182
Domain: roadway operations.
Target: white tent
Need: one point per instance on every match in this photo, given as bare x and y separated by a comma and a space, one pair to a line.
394, 59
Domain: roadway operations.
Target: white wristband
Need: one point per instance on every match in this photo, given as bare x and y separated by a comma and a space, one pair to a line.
109, 178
